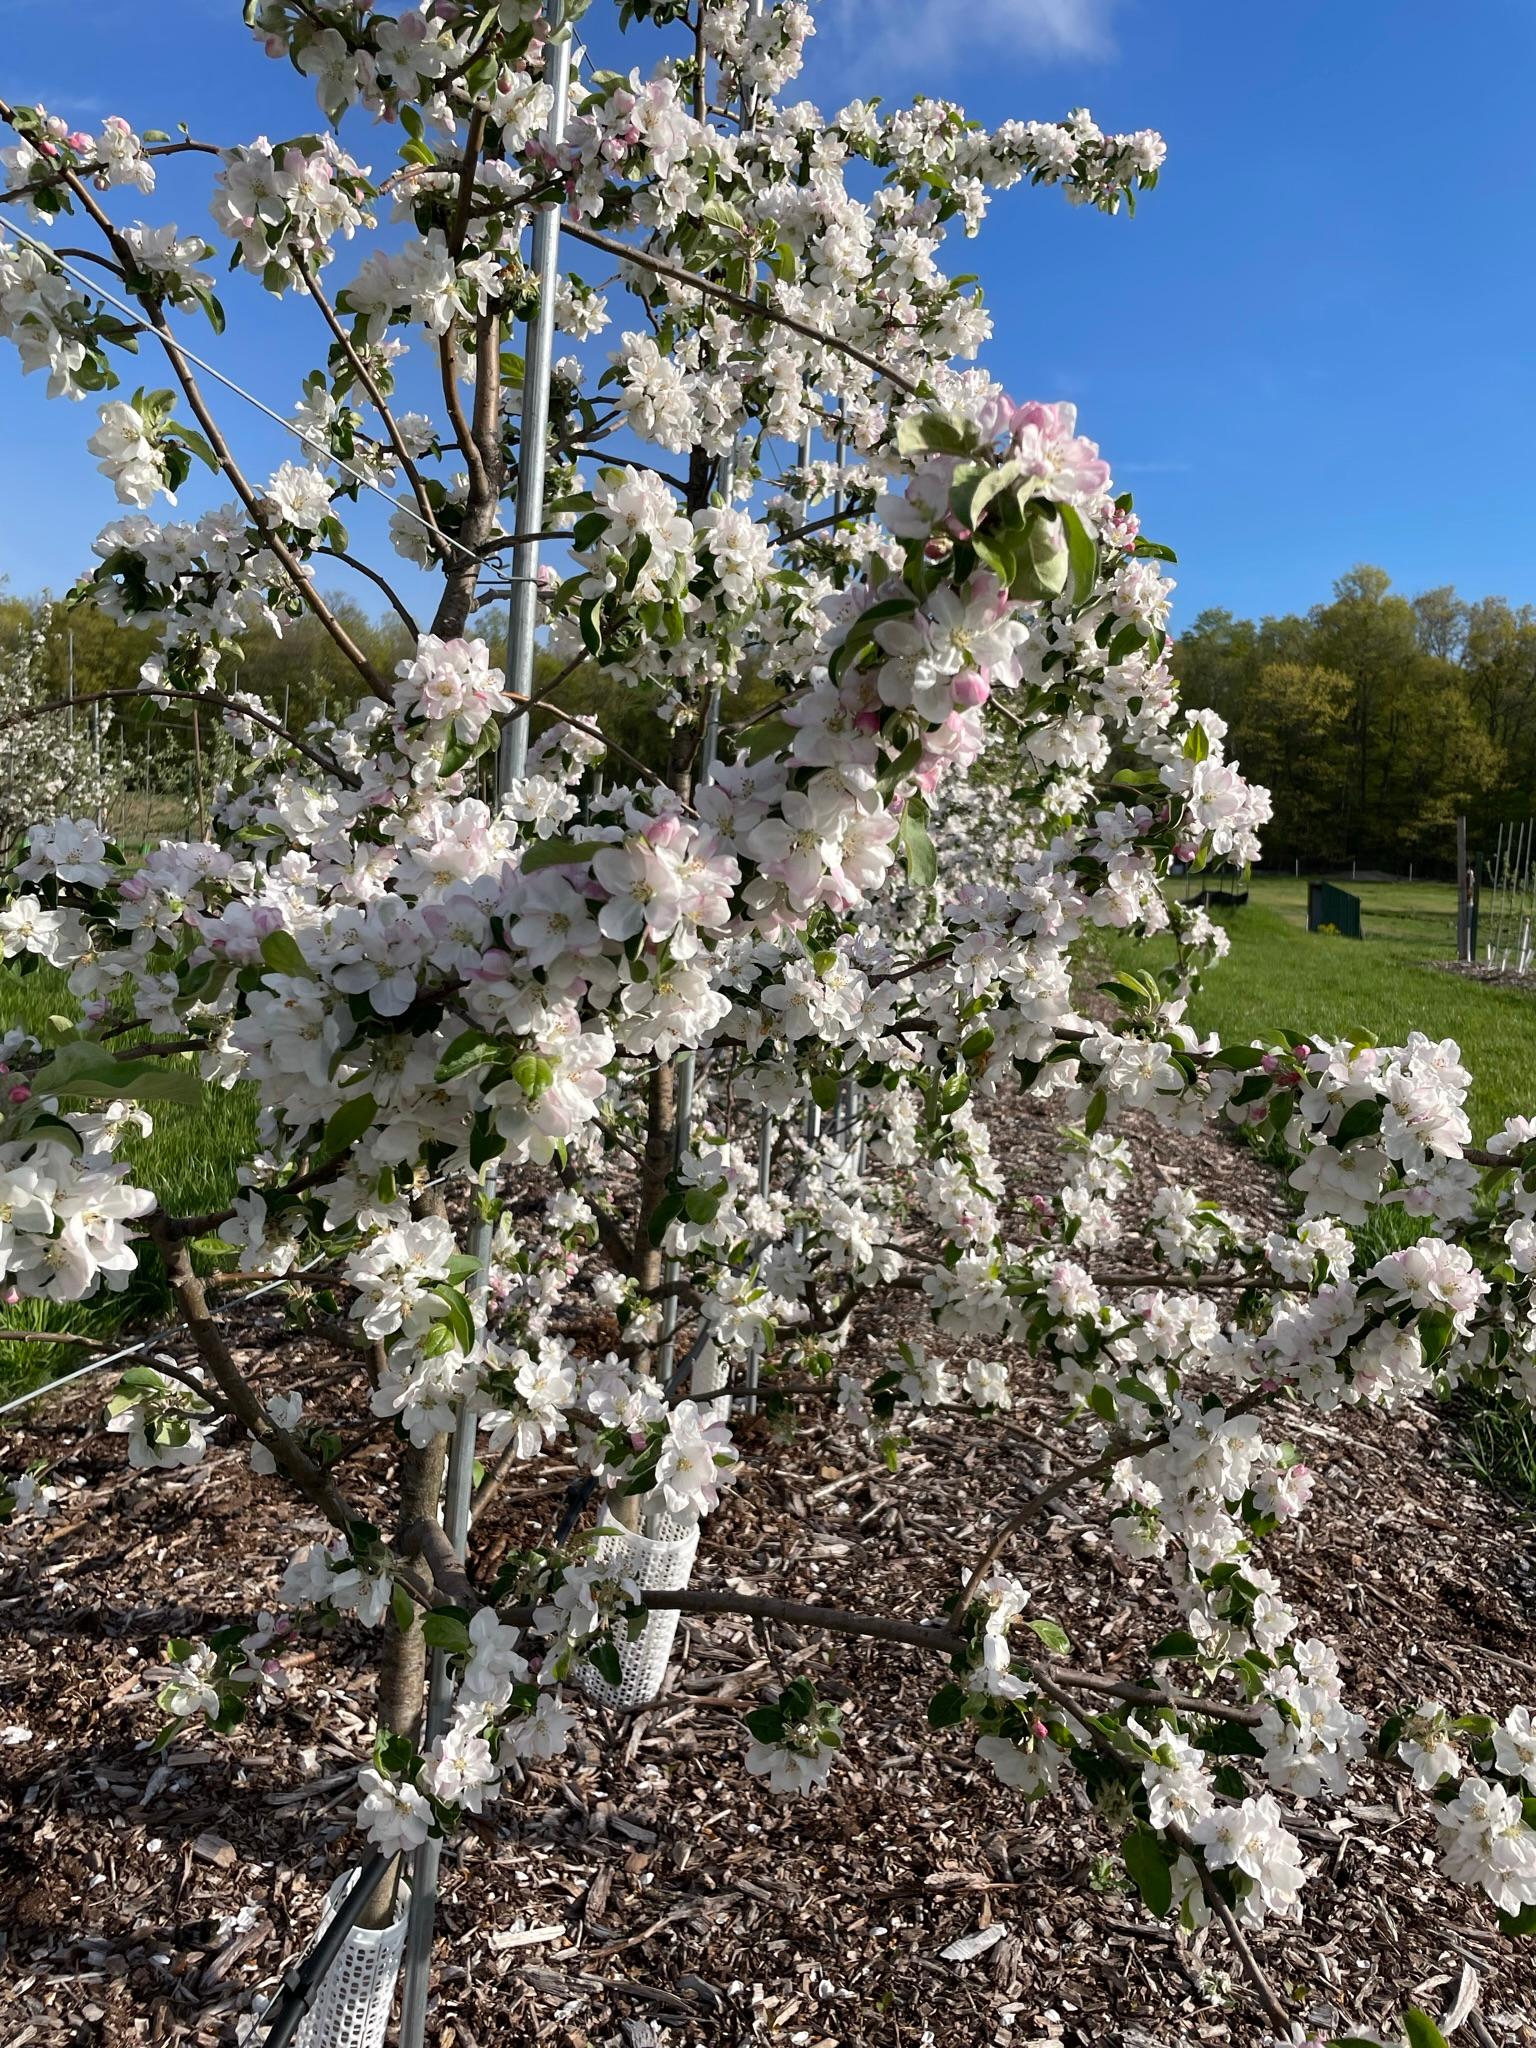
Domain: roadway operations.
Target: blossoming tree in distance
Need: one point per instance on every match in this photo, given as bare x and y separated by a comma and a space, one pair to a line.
541, 1014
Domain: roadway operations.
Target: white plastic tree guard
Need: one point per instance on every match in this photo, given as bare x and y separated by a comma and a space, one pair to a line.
352, 2006
662, 1562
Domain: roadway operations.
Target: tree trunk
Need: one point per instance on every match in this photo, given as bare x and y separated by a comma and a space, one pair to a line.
403, 1661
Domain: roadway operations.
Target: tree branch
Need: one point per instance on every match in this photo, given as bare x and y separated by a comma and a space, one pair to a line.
1092, 1468
380, 583
739, 300
291, 563
380, 404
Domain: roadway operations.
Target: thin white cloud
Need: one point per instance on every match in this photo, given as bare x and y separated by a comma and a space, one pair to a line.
947, 35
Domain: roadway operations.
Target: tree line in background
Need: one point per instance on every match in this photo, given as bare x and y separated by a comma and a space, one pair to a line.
160, 765
1376, 718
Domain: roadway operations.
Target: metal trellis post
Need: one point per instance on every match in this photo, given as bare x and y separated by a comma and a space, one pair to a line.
512, 757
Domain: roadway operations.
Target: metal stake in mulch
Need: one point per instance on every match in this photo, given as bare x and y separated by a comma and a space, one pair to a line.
511, 760
332, 1995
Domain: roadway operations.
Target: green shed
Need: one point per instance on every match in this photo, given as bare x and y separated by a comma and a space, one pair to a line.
1328, 906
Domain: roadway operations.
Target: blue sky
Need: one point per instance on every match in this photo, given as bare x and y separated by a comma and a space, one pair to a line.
1311, 347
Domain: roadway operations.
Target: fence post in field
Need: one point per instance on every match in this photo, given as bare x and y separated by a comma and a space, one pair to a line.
1463, 897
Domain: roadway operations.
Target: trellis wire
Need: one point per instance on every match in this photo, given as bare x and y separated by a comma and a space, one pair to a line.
304, 434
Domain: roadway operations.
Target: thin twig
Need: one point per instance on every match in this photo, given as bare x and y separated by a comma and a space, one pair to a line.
663, 267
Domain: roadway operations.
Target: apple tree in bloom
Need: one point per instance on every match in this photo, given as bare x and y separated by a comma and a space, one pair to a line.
714, 1043
51, 760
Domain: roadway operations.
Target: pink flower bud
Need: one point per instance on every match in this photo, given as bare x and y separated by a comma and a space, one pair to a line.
970, 689
20, 1093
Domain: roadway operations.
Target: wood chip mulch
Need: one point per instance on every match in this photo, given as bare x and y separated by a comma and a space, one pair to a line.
648, 1893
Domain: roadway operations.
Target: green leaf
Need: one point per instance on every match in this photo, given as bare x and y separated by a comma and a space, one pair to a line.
702, 1205
947, 1707
85, 1068
446, 1628
861, 633
917, 851
1102, 1402
1436, 1329
1516, 1924
604, 1659
721, 214
1361, 1120
970, 495
1052, 1634
824, 1092
1098, 1109
485, 1141
348, 1125
1239, 1057
1082, 554
773, 736
664, 1215
559, 853
1229, 1738
1177, 1643
403, 1608
1421, 2030
1147, 1862
934, 433
192, 442
1044, 560
1126, 643
143, 1377
461, 1317
470, 1049
280, 955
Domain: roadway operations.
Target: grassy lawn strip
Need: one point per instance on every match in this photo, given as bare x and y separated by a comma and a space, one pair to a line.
1282, 979
189, 1160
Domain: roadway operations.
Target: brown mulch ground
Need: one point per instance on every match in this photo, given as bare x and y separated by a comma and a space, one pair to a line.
1487, 971
649, 1892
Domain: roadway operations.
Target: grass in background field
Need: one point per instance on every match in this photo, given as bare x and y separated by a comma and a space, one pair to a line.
1282, 978
189, 1160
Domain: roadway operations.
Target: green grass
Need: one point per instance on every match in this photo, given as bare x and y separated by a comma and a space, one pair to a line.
1281, 978
189, 1161
1497, 1434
